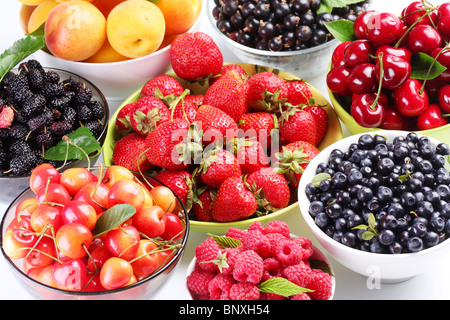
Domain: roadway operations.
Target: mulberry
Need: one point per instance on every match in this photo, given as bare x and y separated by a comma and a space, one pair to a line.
61, 128
22, 165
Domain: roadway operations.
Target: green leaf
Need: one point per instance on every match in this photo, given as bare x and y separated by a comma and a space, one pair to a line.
328, 5
321, 265
38, 32
225, 242
113, 217
341, 30
20, 49
83, 138
425, 67
368, 235
282, 287
319, 177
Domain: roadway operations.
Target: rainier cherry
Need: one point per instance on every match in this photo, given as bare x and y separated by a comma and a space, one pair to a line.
45, 216
150, 220
72, 275
73, 179
126, 192
43, 253
54, 193
174, 227
164, 198
115, 273
123, 242
146, 262
41, 174
79, 212
73, 239
94, 195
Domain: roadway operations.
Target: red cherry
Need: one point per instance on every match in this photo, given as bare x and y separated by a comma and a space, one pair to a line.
337, 80
415, 11
444, 98
443, 17
432, 87
431, 118
367, 110
384, 28
443, 57
410, 99
359, 51
360, 24
423, 38
362, 79
394, 120
403, 53
395, 71
337, 58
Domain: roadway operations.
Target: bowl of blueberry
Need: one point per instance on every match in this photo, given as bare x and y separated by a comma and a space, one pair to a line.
39, 106
290, 35
379, 203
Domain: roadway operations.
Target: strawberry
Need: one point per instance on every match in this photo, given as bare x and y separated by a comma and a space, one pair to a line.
258, 125
296, 124
215, 123
196, 99
227, 68
161, 86
298, 92
321, 119
195, 56
233, 201
229, 94
148, 113
6, 117
202, 207
161, 144
250, 154
267, 91
272, 188
129, 152
123, 116
218, 165
185, 109
180, 181
293, 159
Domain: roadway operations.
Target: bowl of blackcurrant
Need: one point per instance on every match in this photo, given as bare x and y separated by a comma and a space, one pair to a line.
38, 107
289, 35
379, 203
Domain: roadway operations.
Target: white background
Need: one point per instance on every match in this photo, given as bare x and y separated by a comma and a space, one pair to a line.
432, 284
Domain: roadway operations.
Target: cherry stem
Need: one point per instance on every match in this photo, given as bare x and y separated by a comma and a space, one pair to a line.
428, 10
431, 67
380, 58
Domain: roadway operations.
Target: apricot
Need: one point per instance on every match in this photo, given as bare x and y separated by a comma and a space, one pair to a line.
106, 54
25, 14
31, 2
61, 1
75, 30
105, 6
135, 28
40, 14
180, 15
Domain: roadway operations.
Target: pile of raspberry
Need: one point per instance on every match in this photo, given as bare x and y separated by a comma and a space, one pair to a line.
263, 253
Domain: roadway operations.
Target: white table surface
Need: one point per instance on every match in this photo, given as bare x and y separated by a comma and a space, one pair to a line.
432, 284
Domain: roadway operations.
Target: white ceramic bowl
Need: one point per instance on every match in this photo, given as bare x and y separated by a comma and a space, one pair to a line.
306, 63
317, 255
385, 268
117, 79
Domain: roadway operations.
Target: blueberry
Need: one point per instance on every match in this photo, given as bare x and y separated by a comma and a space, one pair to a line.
418, 229
315, 208
349, 239
386, 237
395, 248
385, 165
321, 220
334, 210
414, 244
430, 239
364, 194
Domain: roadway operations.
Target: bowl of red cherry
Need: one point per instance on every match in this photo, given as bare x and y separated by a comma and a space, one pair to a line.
290, 36
379, 203
391, 72
93, 233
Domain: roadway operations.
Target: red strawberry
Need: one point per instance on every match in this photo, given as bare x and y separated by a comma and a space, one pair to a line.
149, 112
258, 125
233, 201
273, 188
195, 56
250, 154
129, 152
202, 206
196, 99
293, 159
298, 92
267, 91
218, 165
184, 109
6, 117
216, 123
161, 86
161, 144
229, 94
227, 68
296, 124
123, 116
180, 181
321, 119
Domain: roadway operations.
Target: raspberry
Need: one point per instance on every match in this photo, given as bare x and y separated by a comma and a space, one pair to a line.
197, 282
289, 252
207, 251
300, 274
300, 296
321, 284
236, 233
244, 291
278, 227
272, 269
270, 296
256, 226
307, 249
232, 254
257, 241
248, 267
219, 287
274, 239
